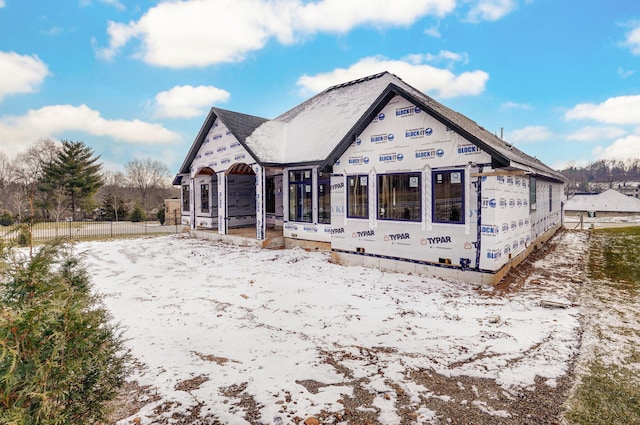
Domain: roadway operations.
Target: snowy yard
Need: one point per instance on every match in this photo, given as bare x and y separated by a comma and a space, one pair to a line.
234, 335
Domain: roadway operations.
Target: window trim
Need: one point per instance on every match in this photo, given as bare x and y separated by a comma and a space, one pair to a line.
327, 182
533, 195
419, 190
462, 196
186, 195
365, 215
203, 187
301, 183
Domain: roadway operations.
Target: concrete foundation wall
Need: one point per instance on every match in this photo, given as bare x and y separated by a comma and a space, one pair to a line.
438, 271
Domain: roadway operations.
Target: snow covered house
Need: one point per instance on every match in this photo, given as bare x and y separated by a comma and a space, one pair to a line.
609, 203
379, 173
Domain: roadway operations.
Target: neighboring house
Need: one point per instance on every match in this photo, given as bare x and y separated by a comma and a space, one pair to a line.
380, 174
609, 203
172, 212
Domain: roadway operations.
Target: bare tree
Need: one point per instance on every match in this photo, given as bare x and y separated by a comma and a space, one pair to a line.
27, 168
145, 176
113, 193
5, 179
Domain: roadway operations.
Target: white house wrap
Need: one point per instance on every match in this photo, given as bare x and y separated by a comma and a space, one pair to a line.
380, 174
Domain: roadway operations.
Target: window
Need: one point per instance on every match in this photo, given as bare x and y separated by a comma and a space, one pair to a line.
399, 197
324, 198
300, 196
448, 197
185, 197
270, 195
532, 193
550, 198
204, 198
357, 199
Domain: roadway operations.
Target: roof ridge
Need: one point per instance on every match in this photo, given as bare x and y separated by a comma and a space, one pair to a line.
359, 80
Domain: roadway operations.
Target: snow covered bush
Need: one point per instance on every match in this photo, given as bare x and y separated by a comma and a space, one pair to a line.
61, 357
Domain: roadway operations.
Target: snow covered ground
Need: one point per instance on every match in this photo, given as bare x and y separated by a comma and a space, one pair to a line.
233, 333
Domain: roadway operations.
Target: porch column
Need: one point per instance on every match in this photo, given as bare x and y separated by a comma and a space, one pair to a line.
222, 203
261, 219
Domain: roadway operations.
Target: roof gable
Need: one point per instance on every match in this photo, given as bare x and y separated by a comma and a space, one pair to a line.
504, 154
240, 125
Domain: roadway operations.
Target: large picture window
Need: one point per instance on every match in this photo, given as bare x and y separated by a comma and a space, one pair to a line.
448, 196
185, 197
357, 196
324, 198
399, 197
204, 198
300, 195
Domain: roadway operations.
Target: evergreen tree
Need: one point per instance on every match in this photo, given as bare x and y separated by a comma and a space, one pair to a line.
75, 173
61, 358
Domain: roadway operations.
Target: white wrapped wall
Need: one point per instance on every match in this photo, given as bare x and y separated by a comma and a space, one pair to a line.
402, 138
506, 227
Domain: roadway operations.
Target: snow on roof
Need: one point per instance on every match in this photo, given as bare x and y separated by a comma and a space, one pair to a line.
311, 130
320, 129
609, 201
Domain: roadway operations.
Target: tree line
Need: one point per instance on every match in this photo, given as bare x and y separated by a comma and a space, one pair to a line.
65, 181
607, 171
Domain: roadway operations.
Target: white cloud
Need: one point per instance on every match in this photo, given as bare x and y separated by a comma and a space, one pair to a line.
188, 101
561, 164
530, 134
199, 33
433, 32
53, 121
442, 56
2, 3
625, 73
591, 133
114, 3
615, 110
515, 105
624, 148
342, 16
490, 10
441, 83
20, 73
632, 40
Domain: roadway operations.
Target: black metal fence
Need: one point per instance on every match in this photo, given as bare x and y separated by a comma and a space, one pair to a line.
77, 230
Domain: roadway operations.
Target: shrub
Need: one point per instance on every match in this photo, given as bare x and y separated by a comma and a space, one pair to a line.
24, 235
161, 216
137, 215
61, 358
6, 218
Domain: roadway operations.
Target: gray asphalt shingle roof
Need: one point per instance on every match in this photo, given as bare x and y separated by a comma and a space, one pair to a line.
320, 129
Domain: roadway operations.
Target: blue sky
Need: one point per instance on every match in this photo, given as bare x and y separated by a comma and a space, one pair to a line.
135, 79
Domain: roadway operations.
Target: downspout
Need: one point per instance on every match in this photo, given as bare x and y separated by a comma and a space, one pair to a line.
479, 223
